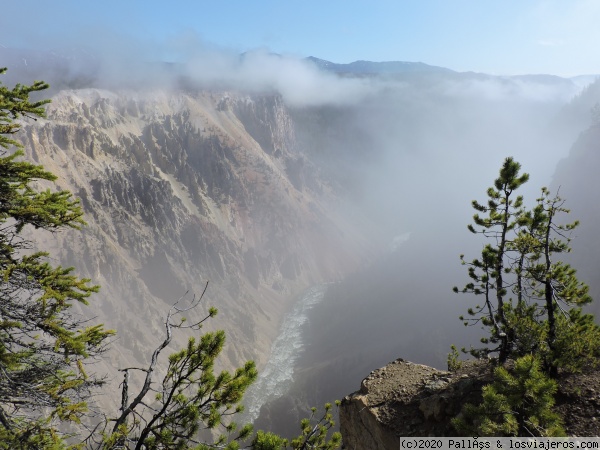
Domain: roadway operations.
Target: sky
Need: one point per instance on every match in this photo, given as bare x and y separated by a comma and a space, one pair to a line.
506, 37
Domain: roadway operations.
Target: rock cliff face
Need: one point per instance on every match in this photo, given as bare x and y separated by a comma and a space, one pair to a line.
182, 188
576, 179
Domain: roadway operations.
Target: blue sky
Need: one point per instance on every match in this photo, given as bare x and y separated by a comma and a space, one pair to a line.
501, 37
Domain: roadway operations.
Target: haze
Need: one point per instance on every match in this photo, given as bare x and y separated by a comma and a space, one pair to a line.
405, 153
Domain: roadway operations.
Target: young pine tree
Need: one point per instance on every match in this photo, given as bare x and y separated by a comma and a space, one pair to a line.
190, 399
530, 298
43, 346
503, 213
532, 305
553, 286
518, 403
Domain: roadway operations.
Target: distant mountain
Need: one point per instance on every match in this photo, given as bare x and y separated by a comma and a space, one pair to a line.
584, 80
404, 67
372, 68
79, 68
543, 79
578, 110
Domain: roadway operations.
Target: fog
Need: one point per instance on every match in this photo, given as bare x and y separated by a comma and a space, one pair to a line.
116, 62
413, 155
406, 154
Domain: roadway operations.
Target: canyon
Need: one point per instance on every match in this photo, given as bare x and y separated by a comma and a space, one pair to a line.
183, 189
262, 197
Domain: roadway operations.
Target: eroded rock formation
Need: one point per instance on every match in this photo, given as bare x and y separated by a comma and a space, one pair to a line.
406, 399
181, 188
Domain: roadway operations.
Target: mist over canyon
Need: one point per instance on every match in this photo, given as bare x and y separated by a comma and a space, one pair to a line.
268, 175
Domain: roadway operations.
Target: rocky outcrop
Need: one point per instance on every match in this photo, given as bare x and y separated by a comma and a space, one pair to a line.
407, 399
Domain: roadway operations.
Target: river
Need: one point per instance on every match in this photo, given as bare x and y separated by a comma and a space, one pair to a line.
277, 376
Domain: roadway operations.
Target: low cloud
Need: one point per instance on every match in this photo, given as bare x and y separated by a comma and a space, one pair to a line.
113, 61
299, 81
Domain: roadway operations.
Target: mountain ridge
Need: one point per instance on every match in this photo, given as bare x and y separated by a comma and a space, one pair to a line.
79, 68
372, 67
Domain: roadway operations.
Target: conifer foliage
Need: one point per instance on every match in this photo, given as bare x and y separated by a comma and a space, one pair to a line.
43, 345
315, 435
518, 403
503, 213
531, 301
531, 305
189, 398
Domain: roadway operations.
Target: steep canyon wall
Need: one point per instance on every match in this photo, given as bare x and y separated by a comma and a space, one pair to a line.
182, 188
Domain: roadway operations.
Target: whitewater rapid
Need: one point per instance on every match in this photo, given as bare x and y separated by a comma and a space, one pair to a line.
277, 376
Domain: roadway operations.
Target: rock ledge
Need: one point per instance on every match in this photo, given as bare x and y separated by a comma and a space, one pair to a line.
407, 399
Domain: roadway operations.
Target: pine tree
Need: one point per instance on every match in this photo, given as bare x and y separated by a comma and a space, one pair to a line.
518, 403
190, 399
503, 214
537, 311
315, 435
43, 345
555, 285
530, 298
